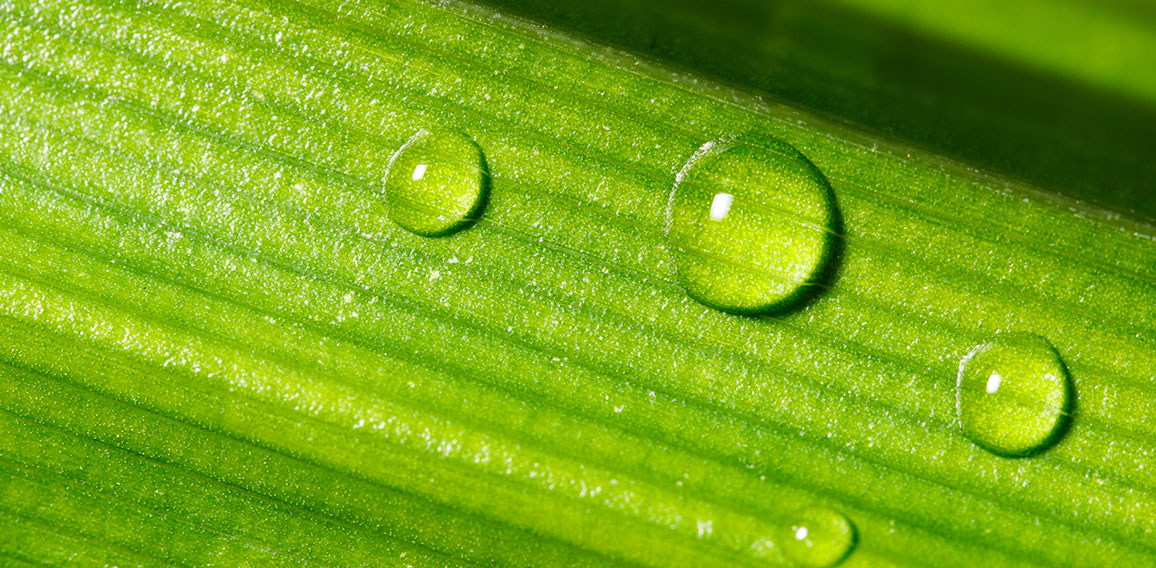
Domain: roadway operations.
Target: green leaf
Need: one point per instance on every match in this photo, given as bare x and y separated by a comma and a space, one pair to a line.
1056, 93
217, 346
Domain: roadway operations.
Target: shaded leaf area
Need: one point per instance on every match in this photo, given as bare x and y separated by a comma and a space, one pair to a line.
1094, 143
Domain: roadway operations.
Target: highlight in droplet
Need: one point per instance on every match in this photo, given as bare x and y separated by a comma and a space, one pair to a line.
721, 206
437, 184
752, 225
818, 537
1013, 395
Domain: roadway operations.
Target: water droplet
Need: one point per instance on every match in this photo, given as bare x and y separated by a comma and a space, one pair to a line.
752, 225
818, 538
437, 184
1013, 395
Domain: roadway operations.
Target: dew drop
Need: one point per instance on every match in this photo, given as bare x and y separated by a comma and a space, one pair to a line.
436, 184
1013, 395
818, 538
752, 225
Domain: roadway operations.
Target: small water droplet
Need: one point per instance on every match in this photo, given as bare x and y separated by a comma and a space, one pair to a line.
752, 224
818, 538
1013, 395
437, 184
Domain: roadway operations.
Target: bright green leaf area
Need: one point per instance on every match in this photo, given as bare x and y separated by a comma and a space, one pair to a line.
216, 347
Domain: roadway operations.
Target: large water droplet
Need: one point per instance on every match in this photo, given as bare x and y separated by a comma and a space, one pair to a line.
1013, 395
437, 184
818, 538
752, 225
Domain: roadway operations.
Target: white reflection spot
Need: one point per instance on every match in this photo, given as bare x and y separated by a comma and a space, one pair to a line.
705, 528
801, 533
419, 172
721, 206
993, 382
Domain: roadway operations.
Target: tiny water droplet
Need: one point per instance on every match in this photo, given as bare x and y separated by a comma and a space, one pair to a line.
818, 537
1013, 395
752, 225
436, 184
